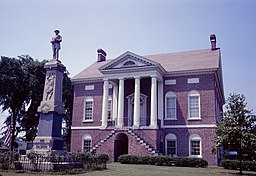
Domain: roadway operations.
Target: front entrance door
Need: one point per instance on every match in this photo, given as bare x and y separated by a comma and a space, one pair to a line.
120, 145
143, 109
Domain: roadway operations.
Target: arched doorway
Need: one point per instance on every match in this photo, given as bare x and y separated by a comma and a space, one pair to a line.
120, 145
143, 109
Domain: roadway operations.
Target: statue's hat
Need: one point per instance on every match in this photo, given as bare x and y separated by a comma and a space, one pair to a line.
57, 31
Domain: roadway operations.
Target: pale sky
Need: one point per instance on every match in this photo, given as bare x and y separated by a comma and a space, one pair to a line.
144, 27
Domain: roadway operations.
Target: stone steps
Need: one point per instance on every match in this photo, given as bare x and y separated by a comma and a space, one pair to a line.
142, 142
100, 143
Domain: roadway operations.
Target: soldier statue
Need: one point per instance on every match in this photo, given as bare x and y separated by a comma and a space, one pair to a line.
56, 44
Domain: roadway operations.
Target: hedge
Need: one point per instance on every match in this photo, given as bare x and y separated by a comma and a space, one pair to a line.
163, 161
235, 164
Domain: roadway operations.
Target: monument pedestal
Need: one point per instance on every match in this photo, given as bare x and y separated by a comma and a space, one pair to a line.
51, 110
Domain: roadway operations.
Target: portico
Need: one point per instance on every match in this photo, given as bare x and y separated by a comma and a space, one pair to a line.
118, 100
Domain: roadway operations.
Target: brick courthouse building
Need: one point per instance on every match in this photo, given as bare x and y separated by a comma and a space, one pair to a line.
165, 103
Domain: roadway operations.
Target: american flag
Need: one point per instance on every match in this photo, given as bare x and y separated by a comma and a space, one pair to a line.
8, 137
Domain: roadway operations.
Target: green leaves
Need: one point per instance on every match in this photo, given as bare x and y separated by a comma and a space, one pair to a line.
237, 128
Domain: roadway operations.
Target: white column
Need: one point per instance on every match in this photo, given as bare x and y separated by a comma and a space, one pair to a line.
153, 106
104, 120
160, 101
136, 116
115, 94
120, 115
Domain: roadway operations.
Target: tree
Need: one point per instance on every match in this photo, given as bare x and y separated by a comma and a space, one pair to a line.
68, 95
236, 130
21, 91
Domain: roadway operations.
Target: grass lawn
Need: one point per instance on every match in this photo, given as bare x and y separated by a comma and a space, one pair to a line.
117, 169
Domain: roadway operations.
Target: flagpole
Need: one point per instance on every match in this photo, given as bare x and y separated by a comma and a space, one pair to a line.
11, 146
12, 132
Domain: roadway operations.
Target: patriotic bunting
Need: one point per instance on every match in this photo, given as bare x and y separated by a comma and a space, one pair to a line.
8, 137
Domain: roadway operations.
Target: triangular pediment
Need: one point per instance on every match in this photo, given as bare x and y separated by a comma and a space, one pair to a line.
128, 60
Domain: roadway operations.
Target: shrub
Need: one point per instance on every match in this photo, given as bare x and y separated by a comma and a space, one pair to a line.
163, 161
83, 156
235, 164
143, 160
249, 165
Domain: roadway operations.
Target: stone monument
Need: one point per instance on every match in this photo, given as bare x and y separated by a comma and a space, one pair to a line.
51, 108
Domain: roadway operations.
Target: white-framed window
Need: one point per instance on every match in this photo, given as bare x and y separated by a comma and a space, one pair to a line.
110, 108
170, 82
195, 146
88, 109
170, 106
171, 145
87, 143
194, 105
89, 87
192, 80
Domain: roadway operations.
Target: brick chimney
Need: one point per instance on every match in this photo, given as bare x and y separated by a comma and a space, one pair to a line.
101, 55
213, 42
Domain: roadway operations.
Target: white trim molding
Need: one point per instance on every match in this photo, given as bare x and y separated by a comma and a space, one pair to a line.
86, 128
191, 126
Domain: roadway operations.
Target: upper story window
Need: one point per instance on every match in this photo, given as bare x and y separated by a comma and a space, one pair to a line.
87, 143
88, 109
194, 105
171, 145
195, 145
170, 106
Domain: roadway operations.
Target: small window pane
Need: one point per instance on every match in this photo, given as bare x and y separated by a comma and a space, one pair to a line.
109, 109
87, 145
171, 107
171, 147
195, 147
88, 110
194, 106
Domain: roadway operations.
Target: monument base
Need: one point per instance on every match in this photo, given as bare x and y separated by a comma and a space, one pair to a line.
44, 144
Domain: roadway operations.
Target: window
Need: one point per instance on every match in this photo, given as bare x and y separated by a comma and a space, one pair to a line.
195, 148
194, 105
89, 87
170, 106
143, 109
88, 109
193, 80
87, 143
109, 109
129, 63
170, 82
171, 145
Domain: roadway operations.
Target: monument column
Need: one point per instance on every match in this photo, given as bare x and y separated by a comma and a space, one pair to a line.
136, 118
153, 106
104, 120
120, 115
51, 109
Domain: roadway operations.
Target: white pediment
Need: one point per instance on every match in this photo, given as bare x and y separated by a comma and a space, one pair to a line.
128, 60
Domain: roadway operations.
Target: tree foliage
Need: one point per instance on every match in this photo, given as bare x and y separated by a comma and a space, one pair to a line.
21, 91
236, 130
